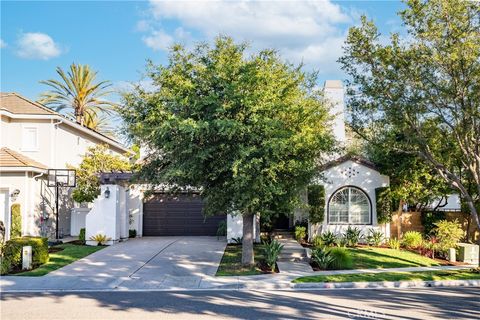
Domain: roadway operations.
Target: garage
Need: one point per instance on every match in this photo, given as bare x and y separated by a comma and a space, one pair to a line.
177, 215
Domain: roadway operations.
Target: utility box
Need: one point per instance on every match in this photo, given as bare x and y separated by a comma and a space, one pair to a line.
468, 253
27, 258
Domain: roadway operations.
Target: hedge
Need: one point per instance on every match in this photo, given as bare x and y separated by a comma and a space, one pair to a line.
12, 254
316, 203
383, 198
16, 226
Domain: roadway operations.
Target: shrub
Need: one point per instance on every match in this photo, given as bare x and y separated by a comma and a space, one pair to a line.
412, 239
132, 233
352, 236
341, 242
394, 244
384, 205
316, 203
342, 259
429, 247
429, 219
100, 239
374, 237
237, 240
448, 234
271, 252
222, 229
16, 223
300, 233
328, 238
317, 241
12, 255
322, 257
81, 235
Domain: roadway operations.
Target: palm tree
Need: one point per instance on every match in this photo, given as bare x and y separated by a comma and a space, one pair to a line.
100, 123
78, 91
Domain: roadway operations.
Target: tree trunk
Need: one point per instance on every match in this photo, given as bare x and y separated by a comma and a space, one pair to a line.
247, 243
399, 219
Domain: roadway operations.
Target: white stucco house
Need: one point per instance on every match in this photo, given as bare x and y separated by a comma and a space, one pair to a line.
349, 184
33, 139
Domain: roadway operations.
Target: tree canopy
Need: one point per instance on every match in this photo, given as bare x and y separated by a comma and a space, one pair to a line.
96, 160
246, 130
422, 91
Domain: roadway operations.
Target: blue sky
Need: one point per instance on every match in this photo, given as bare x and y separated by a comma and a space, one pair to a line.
116, 37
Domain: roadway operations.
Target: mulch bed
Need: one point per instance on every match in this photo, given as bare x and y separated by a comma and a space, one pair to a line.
265, 269
76, 242
54, 249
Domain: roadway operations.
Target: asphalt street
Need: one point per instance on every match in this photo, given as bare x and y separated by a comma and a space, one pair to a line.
418, 303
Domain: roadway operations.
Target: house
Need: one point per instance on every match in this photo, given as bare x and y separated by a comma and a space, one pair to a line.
33, 139
349, 184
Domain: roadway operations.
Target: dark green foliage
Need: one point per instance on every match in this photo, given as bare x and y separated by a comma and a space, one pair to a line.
237, 240
352, 236
245, 128
342, 259
322, 257
132, 233
328, 238
316, 203
81, 235
429, 219
222, 229
16, 224
12, 255
384, 205
271, 252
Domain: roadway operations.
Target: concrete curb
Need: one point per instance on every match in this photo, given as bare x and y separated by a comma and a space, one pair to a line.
387, 284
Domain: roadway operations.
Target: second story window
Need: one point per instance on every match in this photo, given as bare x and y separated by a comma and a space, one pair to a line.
30, 139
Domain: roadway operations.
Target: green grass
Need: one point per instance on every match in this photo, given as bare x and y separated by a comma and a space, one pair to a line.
69, 254
379, 258
466, 274
231, 264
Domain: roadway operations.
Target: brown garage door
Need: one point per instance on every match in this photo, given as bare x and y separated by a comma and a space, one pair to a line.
179, 215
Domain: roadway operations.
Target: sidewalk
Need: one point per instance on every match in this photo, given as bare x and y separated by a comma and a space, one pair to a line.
281, 281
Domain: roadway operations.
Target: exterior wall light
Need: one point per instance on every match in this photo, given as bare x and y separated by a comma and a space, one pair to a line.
14, 194
107, 193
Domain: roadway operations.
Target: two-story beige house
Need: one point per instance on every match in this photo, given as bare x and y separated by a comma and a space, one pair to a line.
33, 139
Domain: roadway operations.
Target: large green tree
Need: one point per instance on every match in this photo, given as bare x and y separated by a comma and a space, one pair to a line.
423, 89
245, 130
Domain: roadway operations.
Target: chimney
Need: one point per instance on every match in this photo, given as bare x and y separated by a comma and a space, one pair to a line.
334, 94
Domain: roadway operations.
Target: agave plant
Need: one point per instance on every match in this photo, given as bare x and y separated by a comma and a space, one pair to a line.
322, 257
328, 238
374, 237
352, 236
100, 239
271, 252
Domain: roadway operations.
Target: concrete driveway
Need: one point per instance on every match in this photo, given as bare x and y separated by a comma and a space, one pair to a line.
152, 259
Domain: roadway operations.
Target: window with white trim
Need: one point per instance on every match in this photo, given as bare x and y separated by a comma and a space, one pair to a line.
30, 139
349, 205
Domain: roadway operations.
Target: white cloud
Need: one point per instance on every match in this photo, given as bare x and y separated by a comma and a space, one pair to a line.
309, 31
36, 45
3, 44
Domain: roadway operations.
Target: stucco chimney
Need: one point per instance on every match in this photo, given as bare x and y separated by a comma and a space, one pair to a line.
334, 95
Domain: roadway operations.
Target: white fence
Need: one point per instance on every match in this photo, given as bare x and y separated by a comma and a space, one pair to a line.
77, 221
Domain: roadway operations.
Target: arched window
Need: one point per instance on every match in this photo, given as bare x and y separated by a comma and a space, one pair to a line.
349, 205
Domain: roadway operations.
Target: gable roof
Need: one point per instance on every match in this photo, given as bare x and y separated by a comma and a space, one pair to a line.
15, 103
10, 158
345, 158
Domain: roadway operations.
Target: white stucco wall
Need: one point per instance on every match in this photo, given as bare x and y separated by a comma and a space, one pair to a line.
78, 220
235, 227
135, 209
351, 173
58, 144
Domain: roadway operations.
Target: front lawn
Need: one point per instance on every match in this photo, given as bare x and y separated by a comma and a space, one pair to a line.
380, 258
465, 274
69, 254
231, 264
